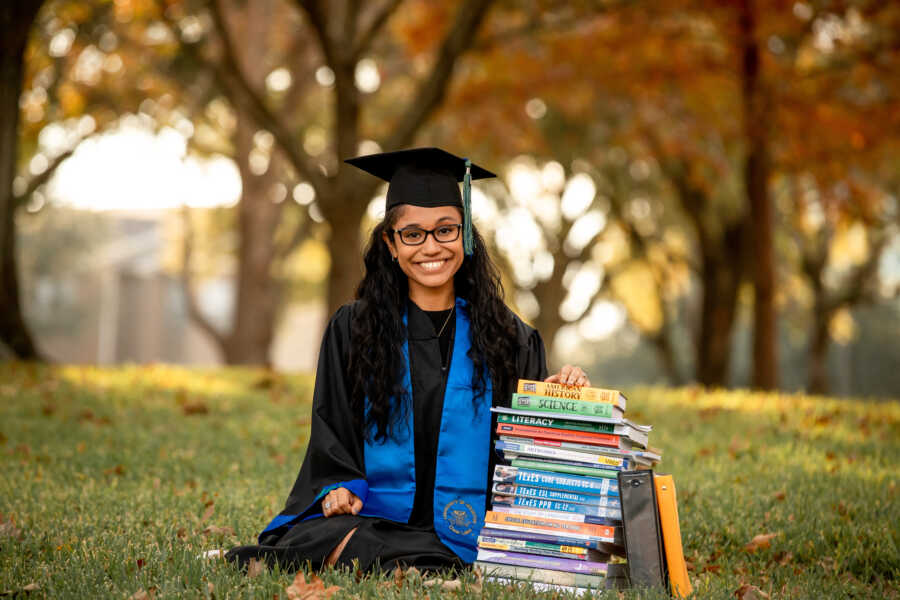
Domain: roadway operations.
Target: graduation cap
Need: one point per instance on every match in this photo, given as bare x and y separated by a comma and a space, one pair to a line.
426, 177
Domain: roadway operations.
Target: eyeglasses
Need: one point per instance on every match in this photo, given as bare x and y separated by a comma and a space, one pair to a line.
416, 236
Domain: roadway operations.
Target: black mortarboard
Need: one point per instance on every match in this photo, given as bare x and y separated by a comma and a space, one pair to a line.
426, 177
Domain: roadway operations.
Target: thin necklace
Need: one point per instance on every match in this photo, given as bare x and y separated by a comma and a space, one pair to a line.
446, 321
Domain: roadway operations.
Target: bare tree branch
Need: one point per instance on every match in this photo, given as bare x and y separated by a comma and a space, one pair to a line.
369, 32
43, 178
231, 79
432, 90
194, 311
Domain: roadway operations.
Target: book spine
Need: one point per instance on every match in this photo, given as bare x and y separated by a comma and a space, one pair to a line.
571, 392
546, 479
595, 582
607, 512
558, 467
609, 462
614, 420
526, 446
532, 547
517, 533
555, 514
561, 435
542, 562
545, 524
547, 494
562, 406
565, 424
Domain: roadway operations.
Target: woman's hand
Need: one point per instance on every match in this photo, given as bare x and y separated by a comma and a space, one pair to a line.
570, 375
341, 502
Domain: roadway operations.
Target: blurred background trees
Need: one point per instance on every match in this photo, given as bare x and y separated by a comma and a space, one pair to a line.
706, 191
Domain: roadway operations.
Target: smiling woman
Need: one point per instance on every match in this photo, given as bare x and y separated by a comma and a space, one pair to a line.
396, 472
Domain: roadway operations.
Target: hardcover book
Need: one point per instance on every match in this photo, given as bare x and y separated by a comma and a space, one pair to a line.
527, 491
549, 404
571, 392
557, 481
542, 562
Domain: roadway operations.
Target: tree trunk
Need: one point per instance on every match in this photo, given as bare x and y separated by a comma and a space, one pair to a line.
256, 294
662, 342
16, 19
721, 270
818, 351
756, 175
345, 247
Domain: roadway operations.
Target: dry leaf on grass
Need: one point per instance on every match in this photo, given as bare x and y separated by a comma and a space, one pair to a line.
195, 407
144, 594
116, 470
779, 495
313, 590
210, 508
750, 592
8, 528
216, 530
256, 568
31, 587
760, 542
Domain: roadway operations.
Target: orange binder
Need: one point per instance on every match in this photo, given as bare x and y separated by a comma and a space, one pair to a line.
671, 533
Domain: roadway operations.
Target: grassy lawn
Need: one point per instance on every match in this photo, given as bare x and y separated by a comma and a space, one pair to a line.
114, 480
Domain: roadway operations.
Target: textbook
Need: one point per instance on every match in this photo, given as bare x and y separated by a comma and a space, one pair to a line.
562, 435
571, 430
606, 462
567, 528
556, 481
607, 512
526, 491
573, 468
549, 404
582, 580
537, 413
571, 392
556, 514
552, 538
542, 562
607, 458
556, 549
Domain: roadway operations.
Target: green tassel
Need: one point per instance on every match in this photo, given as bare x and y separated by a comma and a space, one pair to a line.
468, 238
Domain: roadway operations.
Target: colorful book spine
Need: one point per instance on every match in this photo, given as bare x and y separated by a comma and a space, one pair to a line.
607, 462
615, 420
591, 531
561, 435
565, 424
571, 392
514, 572
579, 452
573, 469
547, 538
554, 480
519, 559
607, 512
548, 404
555, 514
532, 547
526, 491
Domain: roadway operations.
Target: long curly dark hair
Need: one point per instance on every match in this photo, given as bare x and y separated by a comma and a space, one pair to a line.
377, 332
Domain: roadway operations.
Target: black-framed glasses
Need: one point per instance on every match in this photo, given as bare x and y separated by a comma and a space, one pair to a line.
416, 236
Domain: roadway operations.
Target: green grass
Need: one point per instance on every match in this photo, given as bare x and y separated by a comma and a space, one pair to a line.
107, 475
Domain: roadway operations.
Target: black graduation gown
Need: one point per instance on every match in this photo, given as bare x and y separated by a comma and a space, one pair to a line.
335, 453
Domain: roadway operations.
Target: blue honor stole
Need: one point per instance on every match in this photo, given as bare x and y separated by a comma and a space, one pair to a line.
462, 457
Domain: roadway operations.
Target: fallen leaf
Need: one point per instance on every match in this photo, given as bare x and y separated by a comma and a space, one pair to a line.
211, 588
8, 529
749, 592
80, 447
181, 533
760, 542
216, 530
210, 508
48, 409
194, 407
314, 590
398, 577
142, 594
780, 495
711, 569
116, 470
783, 558
256, 568
140, 563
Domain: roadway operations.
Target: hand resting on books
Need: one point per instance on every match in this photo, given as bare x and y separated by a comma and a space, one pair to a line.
341, 501
570, 375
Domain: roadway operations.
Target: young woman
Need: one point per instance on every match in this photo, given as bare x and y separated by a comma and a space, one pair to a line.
398, 466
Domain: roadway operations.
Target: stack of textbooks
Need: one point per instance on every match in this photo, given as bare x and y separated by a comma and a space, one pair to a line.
556, 519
